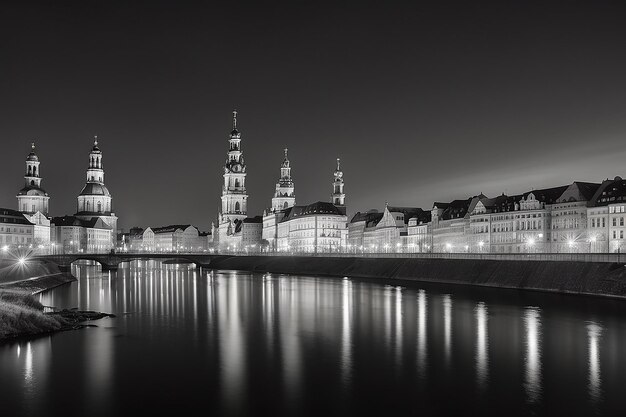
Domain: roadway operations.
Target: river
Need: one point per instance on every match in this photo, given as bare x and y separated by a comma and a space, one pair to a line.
233, 343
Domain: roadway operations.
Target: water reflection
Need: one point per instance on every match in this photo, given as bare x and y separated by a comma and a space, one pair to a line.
594, 332
232, 346
398, 327
346, 331
421, 333
532, 362
229, 343
447, 327
482, 345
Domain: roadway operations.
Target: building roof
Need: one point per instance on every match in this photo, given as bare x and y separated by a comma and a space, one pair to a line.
33, 190
366, 217
75, 221
13, 217
547, 195
409, 212
255, 219
169, 229
317, 208
95, 188
610, 192
456, 209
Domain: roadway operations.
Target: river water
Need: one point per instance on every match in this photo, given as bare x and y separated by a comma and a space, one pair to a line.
233, 343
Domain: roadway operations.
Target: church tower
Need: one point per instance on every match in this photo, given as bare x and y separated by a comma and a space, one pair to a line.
284, 196
32, 198
95, 199
339, 198
234, 196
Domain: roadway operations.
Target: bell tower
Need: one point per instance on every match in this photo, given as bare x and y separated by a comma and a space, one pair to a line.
338, 197
284, 196
32, 198
234, 196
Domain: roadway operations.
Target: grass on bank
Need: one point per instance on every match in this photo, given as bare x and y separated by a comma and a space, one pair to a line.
22, 315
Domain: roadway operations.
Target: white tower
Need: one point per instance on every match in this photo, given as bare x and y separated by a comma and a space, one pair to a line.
32, 198
284, 196
234, 196
339, 198
95, 199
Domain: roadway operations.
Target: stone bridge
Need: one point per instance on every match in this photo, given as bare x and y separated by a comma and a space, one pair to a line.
112, 261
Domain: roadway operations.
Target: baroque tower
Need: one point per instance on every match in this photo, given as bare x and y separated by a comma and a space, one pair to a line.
339, 198
95, 199
32, 198
234, 196
284, 196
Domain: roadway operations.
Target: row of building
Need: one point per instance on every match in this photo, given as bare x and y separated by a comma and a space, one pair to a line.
579, 217
574, 218
93, 228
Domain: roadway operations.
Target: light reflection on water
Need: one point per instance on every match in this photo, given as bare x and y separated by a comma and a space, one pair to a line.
532, 323
232, 343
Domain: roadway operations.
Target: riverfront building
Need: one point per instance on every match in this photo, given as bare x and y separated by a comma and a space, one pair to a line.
314, 228
15, 230
173, 238
387, 231
581, 217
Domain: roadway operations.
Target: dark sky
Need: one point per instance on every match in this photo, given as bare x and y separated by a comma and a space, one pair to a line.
423, 101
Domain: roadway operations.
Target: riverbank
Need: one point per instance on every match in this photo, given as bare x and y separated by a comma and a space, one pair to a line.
21, 315
584, 278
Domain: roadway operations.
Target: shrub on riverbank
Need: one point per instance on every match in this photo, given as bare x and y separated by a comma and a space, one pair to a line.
22, 315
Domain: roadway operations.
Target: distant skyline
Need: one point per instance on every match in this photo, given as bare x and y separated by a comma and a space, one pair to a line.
422, 102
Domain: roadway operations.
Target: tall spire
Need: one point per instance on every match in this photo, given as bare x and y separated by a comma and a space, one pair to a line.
234, 119
95, 140
338, 197
32, 146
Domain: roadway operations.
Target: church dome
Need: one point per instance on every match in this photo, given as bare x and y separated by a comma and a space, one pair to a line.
32, 190
92, 188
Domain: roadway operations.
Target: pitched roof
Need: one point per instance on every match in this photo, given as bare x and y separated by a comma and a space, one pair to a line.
366, 217
409, 212
169, 229
13, 217
609, 192
75, 221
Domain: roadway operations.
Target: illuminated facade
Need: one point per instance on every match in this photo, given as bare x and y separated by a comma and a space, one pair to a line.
234, 230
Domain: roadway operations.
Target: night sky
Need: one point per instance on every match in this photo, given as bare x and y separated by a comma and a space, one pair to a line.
425, 102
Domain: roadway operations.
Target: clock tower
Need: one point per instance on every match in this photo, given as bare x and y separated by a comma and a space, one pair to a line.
234, 196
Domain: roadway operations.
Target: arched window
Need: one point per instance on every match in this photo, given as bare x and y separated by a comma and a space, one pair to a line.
30, 170
35, 171
236, 182
32, 182
88, 206
99, 207
285, 205
92, 178
237, 206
